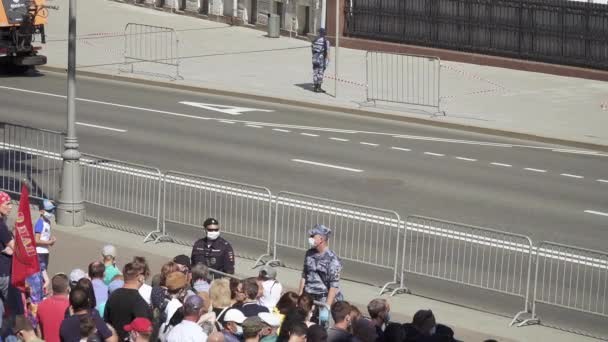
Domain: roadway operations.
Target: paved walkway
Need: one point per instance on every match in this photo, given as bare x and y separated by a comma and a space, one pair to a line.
240, 59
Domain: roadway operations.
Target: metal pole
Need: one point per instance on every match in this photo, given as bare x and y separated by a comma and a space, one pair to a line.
337, 48
70, 208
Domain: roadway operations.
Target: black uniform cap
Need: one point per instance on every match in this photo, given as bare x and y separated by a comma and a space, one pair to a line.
210, 221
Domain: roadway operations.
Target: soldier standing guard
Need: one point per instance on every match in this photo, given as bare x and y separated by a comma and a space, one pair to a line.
321, 274
320, 59
212, 250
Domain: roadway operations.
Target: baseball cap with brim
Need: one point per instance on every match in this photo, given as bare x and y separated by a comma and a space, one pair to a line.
271, 319
253, 325
234, 315
108, 250
139, 324
48, 205
76, 275
320, 229
183, 260
268, 272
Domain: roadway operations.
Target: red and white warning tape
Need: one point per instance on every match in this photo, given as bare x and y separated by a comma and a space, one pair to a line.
345, 81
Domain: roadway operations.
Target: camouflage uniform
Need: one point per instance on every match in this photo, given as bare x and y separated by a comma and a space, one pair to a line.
321, 272
320, 48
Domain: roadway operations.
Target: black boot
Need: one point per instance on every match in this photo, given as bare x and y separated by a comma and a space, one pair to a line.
316, 88
320, 90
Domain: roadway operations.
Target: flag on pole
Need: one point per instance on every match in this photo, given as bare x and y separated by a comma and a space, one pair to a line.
25, 258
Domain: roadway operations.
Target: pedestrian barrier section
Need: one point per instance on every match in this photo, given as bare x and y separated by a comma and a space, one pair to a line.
363, 235
405, 79
151, 50
33, 154
571, 278
467, 255
243, 210
126, 187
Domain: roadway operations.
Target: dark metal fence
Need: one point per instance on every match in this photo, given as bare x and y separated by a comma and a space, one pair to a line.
553, 31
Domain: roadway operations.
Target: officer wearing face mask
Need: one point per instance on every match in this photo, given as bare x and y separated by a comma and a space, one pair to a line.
321, 274
212, 250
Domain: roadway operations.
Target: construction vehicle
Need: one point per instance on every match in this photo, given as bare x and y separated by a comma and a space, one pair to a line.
21, 21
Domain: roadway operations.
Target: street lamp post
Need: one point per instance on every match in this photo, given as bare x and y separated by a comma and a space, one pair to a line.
70, 208
337, 48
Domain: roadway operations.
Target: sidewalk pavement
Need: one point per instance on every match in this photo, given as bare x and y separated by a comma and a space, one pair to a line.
75, 248
243, 60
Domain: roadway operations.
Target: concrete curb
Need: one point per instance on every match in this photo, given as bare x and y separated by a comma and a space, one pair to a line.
340, 109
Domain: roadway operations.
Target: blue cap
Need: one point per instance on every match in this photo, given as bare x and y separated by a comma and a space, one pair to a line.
48, 205
320, 229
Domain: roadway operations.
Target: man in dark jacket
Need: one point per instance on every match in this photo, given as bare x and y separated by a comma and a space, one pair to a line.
212, 250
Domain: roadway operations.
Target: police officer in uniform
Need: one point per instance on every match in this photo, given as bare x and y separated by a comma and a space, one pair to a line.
321, 273
212, 250
320, 59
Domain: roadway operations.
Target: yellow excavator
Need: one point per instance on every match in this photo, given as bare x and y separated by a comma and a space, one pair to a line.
21, 21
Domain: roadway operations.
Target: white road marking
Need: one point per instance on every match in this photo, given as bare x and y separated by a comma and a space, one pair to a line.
368, 144
232, 110
534, 170
335, 130
338, 139
101, 127
254, 126
400, 149
326, 165
571, 176
592, 153
603, 180
281, 130
596, 212
309, 134
501, 164
466, 159
434, 154
340, 212
226, 121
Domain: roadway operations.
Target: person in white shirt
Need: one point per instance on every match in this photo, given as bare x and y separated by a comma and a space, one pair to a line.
272, 288
188, 330
145, 291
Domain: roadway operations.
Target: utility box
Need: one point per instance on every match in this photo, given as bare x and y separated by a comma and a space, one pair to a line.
274, 25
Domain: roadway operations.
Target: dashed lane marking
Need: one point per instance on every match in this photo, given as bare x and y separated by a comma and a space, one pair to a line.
281, 130
338, 139
571, 175
434, 154
466, 159
400, 149
501, 164
596, 212
535, 170
326, 165
309, 134
368, 144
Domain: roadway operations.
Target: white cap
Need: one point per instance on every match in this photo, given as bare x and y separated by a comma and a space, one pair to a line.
234, 315
271, 319
108, 250
76, 275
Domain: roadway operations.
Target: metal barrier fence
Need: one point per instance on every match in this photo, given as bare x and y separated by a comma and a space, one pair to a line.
34, 154
244, 210
571, 278
360, 234
407, 79
549, 31
151, 45
127, 187
468, 255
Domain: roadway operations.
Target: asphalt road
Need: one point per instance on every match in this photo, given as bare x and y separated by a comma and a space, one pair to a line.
510, 185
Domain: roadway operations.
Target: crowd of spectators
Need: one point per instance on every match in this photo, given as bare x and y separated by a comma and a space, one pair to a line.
184, 303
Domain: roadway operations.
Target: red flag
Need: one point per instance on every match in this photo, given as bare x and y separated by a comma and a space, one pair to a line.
25, 258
